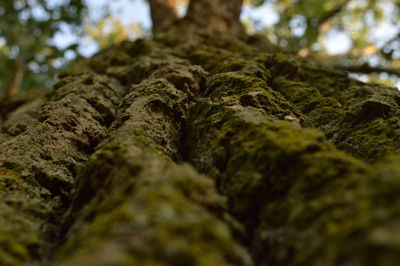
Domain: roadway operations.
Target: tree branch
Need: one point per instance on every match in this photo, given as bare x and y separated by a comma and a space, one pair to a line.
368, 69
16, 80
332, 13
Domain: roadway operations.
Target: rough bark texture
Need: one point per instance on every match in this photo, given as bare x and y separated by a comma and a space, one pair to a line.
197, 148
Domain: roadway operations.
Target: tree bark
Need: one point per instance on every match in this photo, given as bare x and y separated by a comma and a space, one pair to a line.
163, 14
198, 148
220, 15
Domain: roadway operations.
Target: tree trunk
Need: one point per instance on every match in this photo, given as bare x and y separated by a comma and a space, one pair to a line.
220, 15
197, 148
163, 14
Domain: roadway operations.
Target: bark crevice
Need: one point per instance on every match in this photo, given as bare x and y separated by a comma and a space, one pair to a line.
142, 146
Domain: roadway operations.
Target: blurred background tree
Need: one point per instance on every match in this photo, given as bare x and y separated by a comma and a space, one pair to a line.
367, 30
109, 31
28, 56
38, 37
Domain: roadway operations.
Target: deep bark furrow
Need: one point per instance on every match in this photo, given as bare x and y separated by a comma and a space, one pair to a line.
131, 191
40, 164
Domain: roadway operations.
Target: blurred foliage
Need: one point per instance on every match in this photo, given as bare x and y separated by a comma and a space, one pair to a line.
305, 27
109, 30
26, 30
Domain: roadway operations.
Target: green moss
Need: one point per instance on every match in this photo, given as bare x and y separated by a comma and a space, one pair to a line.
132, 204
4, 172
11, 252
22, 210
238, 90
351, 214
163, 219
140, 47
110, 57
208, 58
328, 81
298, 93
251, 66
232, 64
246, 139
361, 120
282, 179
375, 141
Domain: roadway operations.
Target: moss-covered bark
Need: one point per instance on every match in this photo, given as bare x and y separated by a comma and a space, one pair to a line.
302, 201
197, 148
41, 157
